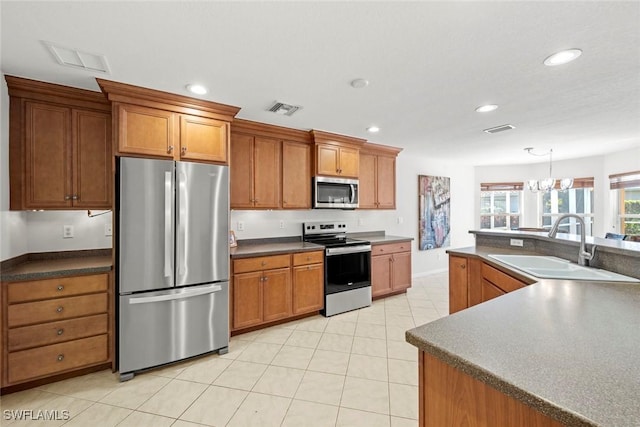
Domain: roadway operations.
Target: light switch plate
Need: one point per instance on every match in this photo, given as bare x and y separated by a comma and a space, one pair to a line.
108, 231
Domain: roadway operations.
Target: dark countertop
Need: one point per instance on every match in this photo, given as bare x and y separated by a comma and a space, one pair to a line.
248, 250
567, 348
379, 239
57, 264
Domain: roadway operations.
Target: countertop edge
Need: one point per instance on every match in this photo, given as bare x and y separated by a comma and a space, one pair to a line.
554, 411
20, 277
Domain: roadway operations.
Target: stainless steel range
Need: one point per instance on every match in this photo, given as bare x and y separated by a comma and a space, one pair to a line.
347, 266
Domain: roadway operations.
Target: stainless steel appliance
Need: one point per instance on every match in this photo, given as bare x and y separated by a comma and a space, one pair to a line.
347, 264
336, 193
172, 269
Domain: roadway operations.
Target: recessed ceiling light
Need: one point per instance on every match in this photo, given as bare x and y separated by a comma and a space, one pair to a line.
486, 108
197, 89
373, 129
359, 83
562, 57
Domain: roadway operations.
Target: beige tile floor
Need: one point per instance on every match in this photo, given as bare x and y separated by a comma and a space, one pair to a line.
353, 369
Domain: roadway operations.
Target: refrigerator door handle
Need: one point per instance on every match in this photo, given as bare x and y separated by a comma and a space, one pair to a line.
175, 296
168, 220
181, 232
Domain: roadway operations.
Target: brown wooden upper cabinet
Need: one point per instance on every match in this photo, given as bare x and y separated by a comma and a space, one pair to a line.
158, 124
377, 188
336, 155
270, 167
59, 147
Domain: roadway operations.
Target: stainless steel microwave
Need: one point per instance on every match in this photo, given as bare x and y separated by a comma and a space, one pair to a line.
335, 193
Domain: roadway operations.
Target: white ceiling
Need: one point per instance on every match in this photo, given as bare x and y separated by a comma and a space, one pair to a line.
429, 63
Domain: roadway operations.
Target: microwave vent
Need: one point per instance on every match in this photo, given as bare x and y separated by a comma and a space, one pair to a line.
500, 128
283, 109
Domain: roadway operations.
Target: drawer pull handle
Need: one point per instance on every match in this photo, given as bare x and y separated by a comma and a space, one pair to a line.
60, 331
169, 149
59, 309
264, 263
183, 150
60, 287
60, 357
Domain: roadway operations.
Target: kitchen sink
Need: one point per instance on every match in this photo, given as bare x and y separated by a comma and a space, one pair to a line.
549, 267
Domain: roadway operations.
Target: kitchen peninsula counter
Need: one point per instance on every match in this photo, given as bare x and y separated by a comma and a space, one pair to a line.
565, 348
49, 265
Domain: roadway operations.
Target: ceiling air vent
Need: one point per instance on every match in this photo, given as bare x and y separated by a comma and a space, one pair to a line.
75, 58
500, 128
284, 109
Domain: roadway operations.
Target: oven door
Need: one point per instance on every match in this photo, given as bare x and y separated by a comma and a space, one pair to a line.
347, 267
336, 193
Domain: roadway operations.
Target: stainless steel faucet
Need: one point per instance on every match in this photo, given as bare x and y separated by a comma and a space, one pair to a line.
583, 255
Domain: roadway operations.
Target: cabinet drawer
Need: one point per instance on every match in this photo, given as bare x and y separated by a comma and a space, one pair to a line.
56, 288
390, 248
30, 313
500, 279
56, 332
261, 263
27, 364
304, 258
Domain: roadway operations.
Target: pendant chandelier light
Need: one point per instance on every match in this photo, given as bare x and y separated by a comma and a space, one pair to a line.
547, 184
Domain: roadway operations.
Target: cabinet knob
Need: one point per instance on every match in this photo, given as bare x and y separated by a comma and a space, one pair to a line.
463, 266
75, 197
67, 197
264, 263
60, 357
266, 279
59, 309
60, 287
183, 150
170, 149
60, 331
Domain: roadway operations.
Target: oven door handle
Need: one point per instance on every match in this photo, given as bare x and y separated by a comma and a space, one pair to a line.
348, 250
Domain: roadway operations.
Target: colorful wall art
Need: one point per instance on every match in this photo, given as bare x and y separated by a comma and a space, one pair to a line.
434, 215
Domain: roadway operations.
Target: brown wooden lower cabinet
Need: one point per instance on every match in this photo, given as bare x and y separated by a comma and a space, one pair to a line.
390, 268
55, 326
449, 397
268, 289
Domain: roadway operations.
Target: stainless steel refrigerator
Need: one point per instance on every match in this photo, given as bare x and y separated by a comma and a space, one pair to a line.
172, 264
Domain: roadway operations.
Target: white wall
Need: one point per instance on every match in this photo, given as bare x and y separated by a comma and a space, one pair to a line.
24, 232
260, 224
598, 167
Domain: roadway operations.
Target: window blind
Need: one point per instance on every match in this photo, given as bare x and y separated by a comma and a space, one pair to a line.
624, 180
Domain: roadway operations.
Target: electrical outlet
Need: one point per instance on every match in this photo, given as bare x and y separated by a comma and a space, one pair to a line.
281, 224
240, 225
517, 242
400, 220
67, 231
108, 231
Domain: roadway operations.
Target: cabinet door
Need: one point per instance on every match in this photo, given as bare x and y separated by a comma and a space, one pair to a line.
489, 291
401, 271
241, 171
296, 175
380, 275
308, 288
276, 288
92, 159
146, 131
327, 160
349, 161
367, 188
458, 284
47, 156
386, 182
203, 139
266, 173
247, 299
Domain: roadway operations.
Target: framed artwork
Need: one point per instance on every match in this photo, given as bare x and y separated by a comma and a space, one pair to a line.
434, 204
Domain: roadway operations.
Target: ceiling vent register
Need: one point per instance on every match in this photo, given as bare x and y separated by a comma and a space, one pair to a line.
75, 58
283, 109
500, 128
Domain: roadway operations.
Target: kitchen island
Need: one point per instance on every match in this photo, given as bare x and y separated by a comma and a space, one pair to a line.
557, 352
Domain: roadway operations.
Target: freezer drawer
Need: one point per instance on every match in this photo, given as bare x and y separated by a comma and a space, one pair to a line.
162, 327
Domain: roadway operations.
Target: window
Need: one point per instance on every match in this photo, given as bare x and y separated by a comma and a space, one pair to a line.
500, 205
627, 185
577, 200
